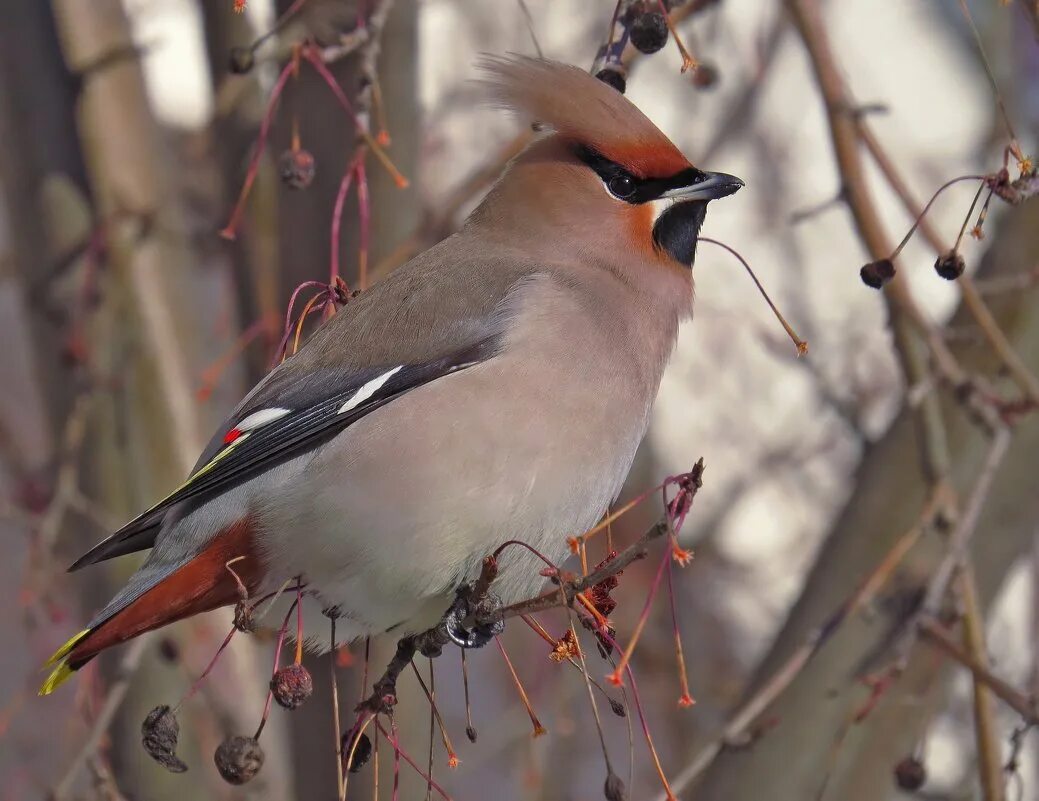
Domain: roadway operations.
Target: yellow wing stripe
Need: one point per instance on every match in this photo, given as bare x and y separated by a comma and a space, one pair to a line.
201, 471
213, 462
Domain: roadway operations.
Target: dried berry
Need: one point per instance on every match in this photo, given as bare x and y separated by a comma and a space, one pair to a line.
910, 774
292, 686
877, 273
648, 31
470, 732
618, 708
361, 754
614, 75
950, 266
705, 76
296, 168
159, 734
241, 60
238, 759
614, 789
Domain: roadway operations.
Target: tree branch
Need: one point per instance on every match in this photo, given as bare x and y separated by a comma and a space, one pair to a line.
935, 633
905, 315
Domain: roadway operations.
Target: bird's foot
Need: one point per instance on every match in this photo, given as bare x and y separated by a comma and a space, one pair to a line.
484, 611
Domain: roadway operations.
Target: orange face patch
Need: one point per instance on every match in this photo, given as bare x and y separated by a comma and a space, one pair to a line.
639, 222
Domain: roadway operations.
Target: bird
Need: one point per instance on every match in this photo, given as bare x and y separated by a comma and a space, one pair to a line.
495, 388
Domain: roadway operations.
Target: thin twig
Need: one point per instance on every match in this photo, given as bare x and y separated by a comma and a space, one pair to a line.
552, 600
970, 290
1024, 705
591, 696
336, 725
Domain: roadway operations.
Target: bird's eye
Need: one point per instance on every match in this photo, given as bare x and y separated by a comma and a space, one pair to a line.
621, 186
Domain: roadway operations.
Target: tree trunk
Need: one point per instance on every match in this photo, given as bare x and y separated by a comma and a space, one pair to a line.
38, 150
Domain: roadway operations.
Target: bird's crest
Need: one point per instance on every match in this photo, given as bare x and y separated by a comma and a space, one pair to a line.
577, 105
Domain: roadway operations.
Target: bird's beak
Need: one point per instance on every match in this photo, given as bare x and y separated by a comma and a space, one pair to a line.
677, 229
715, 185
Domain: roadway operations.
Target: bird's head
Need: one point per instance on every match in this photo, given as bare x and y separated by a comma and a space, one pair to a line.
596, 170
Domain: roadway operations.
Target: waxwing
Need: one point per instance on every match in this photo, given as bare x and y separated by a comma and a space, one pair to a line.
493, 388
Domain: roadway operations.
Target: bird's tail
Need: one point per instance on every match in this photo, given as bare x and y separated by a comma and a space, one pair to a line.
213, 578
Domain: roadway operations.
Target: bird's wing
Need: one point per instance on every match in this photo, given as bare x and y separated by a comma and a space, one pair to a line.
445, 309
268, 435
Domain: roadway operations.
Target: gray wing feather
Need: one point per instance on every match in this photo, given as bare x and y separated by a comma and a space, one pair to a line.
429, 317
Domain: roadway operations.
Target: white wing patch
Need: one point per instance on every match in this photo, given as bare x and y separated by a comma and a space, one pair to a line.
368, 389
261, 418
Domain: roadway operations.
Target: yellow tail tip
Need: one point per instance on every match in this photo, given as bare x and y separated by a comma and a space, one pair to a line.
61, 672
64, 651
58, 676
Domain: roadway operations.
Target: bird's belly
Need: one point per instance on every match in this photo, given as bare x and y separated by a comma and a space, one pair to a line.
394, 514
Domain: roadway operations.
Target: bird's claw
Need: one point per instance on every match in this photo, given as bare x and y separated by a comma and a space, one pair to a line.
481, 632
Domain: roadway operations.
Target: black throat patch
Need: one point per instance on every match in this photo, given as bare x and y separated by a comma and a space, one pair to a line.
677, 229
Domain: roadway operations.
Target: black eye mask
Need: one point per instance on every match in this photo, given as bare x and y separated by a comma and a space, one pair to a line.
631, 189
